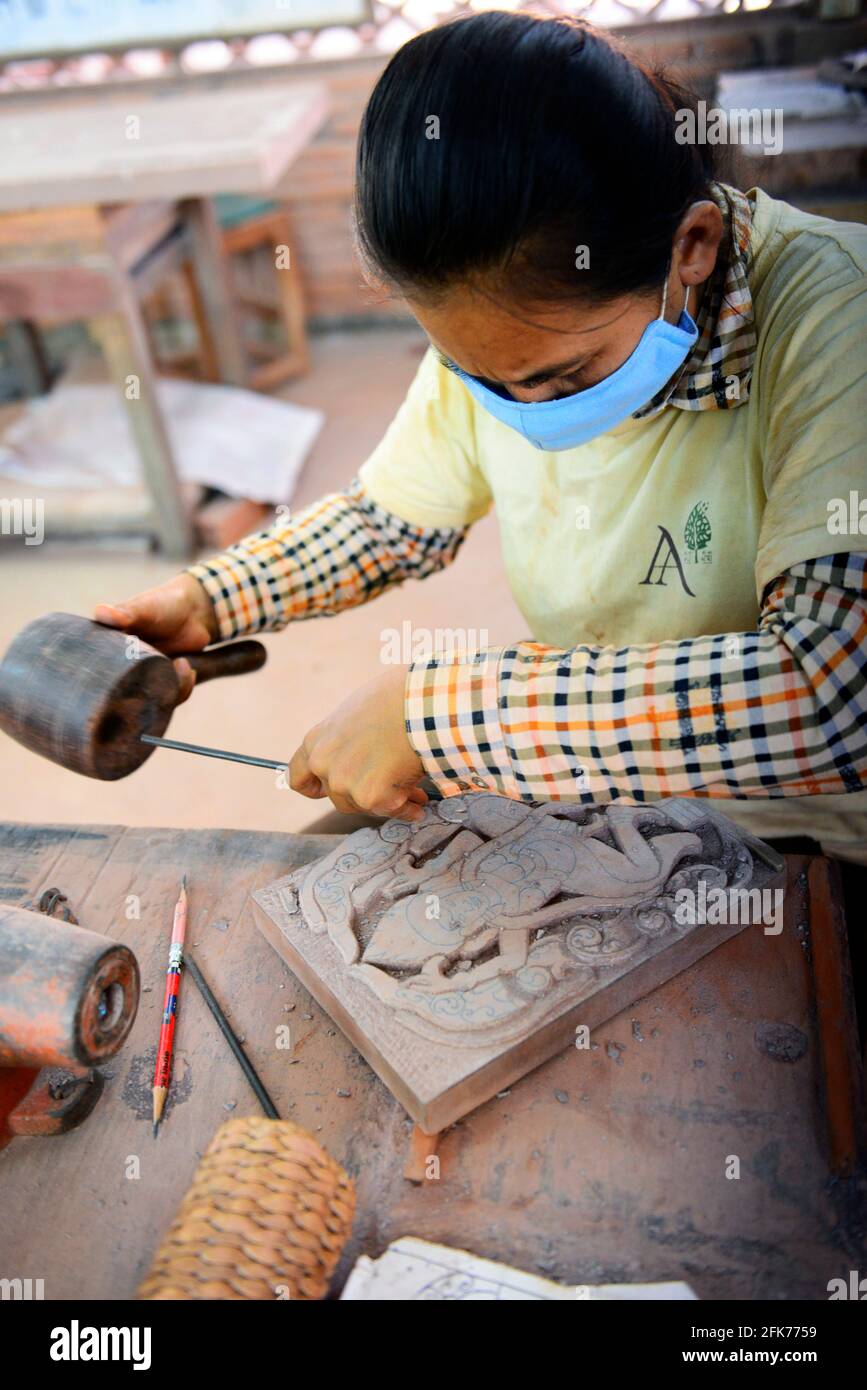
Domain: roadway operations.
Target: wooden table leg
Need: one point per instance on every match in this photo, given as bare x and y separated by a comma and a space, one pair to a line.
216, 298
26, 353
421, 1161
124, 342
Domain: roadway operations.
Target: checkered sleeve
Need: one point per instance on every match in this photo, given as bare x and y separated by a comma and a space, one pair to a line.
781, 711
337, 553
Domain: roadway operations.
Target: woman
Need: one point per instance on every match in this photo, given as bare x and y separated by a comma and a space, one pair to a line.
659, 383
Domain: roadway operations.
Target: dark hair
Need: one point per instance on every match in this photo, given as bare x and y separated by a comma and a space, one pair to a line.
550, 138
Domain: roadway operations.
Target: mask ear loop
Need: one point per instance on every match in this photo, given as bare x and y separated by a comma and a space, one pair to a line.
685, 309
665, 291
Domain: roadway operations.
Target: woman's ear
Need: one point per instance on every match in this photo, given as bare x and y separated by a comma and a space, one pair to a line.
697, 241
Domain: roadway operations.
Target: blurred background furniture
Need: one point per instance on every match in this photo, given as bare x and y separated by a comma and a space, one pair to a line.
247, 228
91, 226
256, 242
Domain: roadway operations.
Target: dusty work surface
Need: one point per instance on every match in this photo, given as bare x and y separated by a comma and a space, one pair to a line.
607, 1166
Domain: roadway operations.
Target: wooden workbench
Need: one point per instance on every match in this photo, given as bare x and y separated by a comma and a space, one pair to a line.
601, 1166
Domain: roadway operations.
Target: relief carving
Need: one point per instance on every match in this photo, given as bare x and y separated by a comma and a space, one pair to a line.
473, 923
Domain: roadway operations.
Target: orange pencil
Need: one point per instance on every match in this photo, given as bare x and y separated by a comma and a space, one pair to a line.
163, 1069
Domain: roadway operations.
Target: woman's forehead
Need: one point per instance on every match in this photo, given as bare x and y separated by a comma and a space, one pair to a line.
510, 342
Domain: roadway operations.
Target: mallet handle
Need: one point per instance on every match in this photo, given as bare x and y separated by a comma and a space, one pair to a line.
235, 659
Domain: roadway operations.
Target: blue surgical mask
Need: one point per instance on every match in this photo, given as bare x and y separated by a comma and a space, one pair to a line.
572, 420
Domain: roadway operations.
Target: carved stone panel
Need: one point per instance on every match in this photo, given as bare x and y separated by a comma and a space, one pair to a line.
460, 951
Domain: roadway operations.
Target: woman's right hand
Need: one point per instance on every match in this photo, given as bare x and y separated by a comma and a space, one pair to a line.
177, 616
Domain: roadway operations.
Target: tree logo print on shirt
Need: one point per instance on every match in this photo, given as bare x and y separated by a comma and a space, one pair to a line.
697, 534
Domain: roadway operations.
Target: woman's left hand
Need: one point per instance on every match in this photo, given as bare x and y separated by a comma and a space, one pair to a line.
361, 757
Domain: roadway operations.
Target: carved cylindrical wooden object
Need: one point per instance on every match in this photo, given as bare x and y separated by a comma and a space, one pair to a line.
266, 1217
83, 695
68, 996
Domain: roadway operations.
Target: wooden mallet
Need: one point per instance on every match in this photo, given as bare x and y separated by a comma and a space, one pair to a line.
84, 695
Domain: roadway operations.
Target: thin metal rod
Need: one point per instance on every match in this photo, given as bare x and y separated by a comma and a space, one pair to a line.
225, 1028
214, 753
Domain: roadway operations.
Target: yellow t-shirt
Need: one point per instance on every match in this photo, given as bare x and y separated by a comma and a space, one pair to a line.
671, 527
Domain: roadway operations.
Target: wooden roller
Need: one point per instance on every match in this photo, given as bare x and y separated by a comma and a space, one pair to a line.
68, 996
83, 695
267, 1217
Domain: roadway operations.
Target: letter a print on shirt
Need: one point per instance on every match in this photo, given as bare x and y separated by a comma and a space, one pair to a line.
669, 559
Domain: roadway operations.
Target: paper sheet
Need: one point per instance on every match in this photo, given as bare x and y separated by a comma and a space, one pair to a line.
417, 1271
78, 437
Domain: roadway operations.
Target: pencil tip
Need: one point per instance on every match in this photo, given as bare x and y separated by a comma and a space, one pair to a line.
156, 1127
184, 882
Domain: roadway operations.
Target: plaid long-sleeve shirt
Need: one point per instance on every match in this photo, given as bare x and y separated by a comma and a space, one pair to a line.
775, 712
